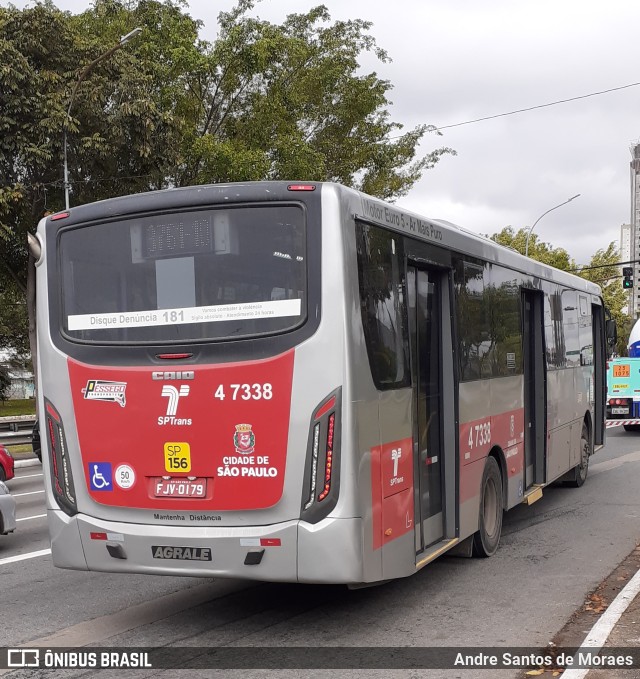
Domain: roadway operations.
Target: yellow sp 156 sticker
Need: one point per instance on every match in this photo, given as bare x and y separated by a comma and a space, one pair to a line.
177, 457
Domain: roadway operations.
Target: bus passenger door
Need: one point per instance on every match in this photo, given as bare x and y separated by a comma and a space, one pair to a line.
433, 403
535, 387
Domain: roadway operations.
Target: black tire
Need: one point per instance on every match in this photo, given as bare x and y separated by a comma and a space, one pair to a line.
487, 538
581, 470
3, 476
35, 441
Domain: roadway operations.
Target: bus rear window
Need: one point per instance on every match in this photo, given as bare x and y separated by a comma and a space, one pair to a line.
190, 276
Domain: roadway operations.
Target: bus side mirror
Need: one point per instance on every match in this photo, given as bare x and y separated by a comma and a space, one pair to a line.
34, 246
611, 330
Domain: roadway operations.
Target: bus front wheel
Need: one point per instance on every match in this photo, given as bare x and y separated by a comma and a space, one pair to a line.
486, 539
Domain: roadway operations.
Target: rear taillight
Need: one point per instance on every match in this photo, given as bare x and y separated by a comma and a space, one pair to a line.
62, 479
59, 215
301, 187
322, 470
328, 460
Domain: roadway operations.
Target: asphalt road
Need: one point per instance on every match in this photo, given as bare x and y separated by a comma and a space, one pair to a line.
552, 555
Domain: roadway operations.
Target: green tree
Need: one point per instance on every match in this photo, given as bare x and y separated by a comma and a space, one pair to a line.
282, 101
263, 101
14, 334
541, 252
607, 276
5, 383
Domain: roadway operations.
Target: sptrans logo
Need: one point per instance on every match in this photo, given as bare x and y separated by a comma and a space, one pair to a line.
174, 395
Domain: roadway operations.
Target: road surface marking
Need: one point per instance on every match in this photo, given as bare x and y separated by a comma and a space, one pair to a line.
28, 476
28, 518
34, 492
600, 632
24, 557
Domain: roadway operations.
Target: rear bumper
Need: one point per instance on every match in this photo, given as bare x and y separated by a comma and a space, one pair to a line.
292, 551
631, 410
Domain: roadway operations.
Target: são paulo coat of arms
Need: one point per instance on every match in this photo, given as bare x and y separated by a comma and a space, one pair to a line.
244, 439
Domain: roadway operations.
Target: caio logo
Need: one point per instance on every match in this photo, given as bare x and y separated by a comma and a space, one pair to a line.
173, 375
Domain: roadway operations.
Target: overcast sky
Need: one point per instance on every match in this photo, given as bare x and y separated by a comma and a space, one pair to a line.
458, 60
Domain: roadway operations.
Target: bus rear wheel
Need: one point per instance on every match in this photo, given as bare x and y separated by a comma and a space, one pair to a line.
486, 539
581, 470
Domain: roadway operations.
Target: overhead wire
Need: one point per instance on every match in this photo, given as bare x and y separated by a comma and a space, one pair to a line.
533, 108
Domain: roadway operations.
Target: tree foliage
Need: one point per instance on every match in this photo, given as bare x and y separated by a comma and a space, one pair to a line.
607, 275
263, 101
538, 250
5, 383
14, 336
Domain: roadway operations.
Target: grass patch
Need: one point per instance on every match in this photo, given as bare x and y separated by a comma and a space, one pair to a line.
18, 449
26, 406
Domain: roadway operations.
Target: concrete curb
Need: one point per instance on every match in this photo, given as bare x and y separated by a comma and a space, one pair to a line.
29, 462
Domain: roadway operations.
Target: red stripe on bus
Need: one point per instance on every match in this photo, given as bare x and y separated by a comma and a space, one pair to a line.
392, 491
477, 438
376, 498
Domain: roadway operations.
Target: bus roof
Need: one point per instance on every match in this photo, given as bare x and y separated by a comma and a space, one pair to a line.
441, 233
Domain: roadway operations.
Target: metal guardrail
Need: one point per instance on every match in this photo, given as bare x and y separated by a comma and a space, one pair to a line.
16, 430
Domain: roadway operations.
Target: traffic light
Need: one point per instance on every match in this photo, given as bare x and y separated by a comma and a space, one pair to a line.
627, 280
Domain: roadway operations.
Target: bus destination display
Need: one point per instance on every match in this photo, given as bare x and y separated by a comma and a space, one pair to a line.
183, 235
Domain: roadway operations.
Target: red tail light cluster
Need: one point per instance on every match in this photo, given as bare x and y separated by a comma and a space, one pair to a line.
328, 459
301, 187
618, 401
59, 215
321, 478
63, 488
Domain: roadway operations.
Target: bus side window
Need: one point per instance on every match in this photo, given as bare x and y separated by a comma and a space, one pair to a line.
585, 331
381, 284
554, 330
571, 328
473, 321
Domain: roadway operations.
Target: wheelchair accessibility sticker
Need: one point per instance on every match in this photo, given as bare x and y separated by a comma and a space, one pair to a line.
100, 477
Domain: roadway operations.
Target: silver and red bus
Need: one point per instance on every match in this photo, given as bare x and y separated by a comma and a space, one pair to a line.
301, 383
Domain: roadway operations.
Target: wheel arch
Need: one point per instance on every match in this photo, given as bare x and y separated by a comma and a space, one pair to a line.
497, 453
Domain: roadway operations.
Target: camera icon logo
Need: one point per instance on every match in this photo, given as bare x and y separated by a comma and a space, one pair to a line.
23, 657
